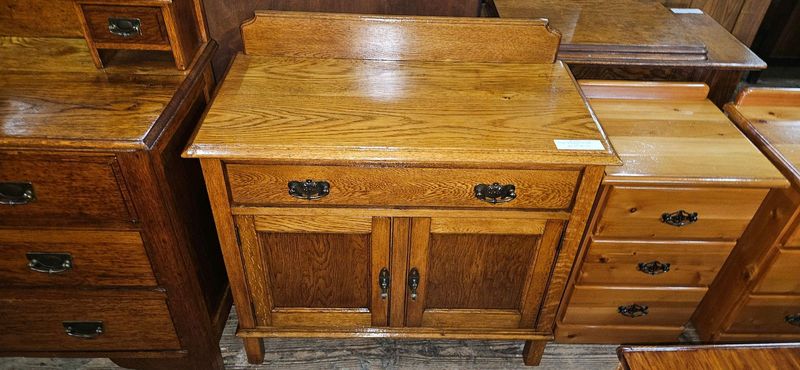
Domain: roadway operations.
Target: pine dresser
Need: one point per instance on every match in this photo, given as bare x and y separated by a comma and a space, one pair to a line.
665, 222
107, 243
757, 297
412, 179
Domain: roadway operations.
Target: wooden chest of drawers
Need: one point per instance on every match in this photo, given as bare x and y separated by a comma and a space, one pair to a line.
415, 192
107, 247
757, 297
665, 222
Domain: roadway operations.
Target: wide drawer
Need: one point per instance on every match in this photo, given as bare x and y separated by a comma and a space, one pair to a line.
412, 187
34, 320
769, 314
593, 305
126, 24
73, 258
657, 213
655, 263
783, 277
616, 334
55, 191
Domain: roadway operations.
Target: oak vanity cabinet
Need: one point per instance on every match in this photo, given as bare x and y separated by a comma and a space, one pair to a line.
665, 221
408, 192
757, 294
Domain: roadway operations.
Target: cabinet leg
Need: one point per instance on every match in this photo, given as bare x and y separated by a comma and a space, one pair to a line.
254, 347
533, 351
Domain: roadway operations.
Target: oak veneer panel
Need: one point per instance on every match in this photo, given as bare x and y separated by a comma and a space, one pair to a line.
39, 18
635, 212
153, 29
597, 305
132, 321
402, 186
318, 270
676, 137
744, 356
92, 254
474, 271
366, 37
783, 276
325, 109
69, 190
615, 262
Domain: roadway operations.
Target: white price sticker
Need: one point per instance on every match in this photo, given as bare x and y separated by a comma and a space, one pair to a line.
579, 145
686, 11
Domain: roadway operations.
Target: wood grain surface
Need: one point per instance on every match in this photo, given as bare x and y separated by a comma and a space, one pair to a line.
616, 262
636, 212
782, 276
79, 190
91, 263
767, 314
132, 320
152, 28
675, 137
397, 112
39, 18
364, 37
743, 356
259, 185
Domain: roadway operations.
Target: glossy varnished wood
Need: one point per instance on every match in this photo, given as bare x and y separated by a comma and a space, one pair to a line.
39, 18
397, 38
91, 264
755, 291
741, 356
254, 185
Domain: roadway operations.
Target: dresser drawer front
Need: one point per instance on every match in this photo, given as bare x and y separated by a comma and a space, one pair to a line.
768, 314
639, 212
126, 24
662, 263
35, 322
783, 276
593, 305
73, 258
410, 187
63, 191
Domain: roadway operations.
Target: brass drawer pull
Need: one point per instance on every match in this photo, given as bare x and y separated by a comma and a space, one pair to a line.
413, 282
309, 189
633, 310
125, 27
679, 218
16, 193
653, 267
49, 263
83, 329
383, 282
495, 193
793, 319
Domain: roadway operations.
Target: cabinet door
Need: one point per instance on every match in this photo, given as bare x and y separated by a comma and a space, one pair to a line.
479, 273
316, 271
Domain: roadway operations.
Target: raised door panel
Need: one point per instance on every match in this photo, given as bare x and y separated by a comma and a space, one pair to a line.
478, 273
316, 271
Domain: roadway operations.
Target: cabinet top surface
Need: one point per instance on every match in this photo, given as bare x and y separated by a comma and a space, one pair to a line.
281, 108
772, 118
669, 133
52, 95
603, 32
743, 356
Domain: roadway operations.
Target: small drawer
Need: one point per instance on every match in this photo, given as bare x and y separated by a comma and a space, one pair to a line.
60, 191
783, 277
590, 334
125, 24
73, 258
675, 213
657, 263
411, 187
769, 314
594, 305
128, 321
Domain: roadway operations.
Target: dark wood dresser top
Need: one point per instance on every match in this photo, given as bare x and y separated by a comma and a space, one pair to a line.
53, 96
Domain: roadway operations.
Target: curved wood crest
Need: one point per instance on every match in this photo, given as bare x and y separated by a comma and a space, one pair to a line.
408, 38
